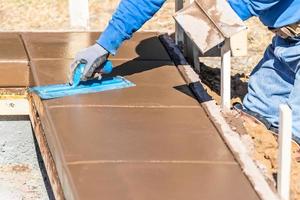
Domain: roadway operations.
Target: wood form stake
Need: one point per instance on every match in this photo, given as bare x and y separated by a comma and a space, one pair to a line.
285, 150
195, 52
179, 34
79, 13
226, 75
196, 61
189, 48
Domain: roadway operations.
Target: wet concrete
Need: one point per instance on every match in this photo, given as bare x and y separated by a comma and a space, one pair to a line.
152, 141
11, 48
159, 84
137, 134
66, 45
14, 66
14, 74
165, 181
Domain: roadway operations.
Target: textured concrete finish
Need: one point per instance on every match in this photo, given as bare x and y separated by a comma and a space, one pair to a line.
152, 141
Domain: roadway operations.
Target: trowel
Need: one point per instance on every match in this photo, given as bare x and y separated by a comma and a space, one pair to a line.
83, 87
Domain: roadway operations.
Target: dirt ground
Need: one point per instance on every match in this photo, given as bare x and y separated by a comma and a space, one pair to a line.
53, 15
28, 15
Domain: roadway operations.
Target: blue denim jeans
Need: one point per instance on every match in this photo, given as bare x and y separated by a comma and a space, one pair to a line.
276, 80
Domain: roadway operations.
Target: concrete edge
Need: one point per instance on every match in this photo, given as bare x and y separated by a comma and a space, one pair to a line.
231, 138
45, 151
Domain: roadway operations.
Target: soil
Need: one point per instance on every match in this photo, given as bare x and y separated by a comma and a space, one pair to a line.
30, 15
263, 148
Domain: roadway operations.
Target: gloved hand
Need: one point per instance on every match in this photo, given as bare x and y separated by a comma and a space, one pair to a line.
93, 57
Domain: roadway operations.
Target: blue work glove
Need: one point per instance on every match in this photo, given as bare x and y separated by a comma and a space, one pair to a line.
93, 57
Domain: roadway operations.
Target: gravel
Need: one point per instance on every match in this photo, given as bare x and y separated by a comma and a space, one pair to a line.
22, 175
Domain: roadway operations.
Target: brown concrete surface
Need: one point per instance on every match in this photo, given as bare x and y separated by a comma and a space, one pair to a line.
163, 85
13, 61
11, 48
66, 45
152, 141
163, 181
137, 134
14, 74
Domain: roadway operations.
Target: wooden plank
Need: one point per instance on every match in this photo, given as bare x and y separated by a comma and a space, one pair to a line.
179, 34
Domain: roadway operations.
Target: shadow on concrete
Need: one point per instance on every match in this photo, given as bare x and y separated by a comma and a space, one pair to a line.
130, 67
185, 90
144, 49
43, 170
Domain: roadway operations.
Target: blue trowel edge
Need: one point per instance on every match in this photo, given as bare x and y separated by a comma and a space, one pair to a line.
92, 86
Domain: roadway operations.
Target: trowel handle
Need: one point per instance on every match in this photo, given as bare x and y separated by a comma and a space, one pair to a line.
107, 67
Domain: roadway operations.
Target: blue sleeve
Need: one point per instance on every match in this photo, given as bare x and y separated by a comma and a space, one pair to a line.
248, 8
128, 18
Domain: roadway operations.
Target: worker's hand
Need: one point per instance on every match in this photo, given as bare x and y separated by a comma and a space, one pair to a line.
93, 57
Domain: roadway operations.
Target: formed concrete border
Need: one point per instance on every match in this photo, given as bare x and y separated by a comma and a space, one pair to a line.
231, 137
45, 151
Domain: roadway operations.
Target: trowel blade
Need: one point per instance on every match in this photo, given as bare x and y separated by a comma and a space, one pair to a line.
91, 86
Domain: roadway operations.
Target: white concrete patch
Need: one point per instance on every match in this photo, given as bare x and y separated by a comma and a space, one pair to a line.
14, 107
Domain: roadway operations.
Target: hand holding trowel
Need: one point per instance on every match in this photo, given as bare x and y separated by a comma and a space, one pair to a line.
87, 62
83, 77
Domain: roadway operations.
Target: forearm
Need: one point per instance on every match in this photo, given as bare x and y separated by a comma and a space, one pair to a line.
248, 8
128, 18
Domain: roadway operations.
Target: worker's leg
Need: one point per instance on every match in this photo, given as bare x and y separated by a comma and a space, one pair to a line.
271, 82
291, 56
294, 103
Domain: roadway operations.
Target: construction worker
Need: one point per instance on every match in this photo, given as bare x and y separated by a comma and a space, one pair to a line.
275, 80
